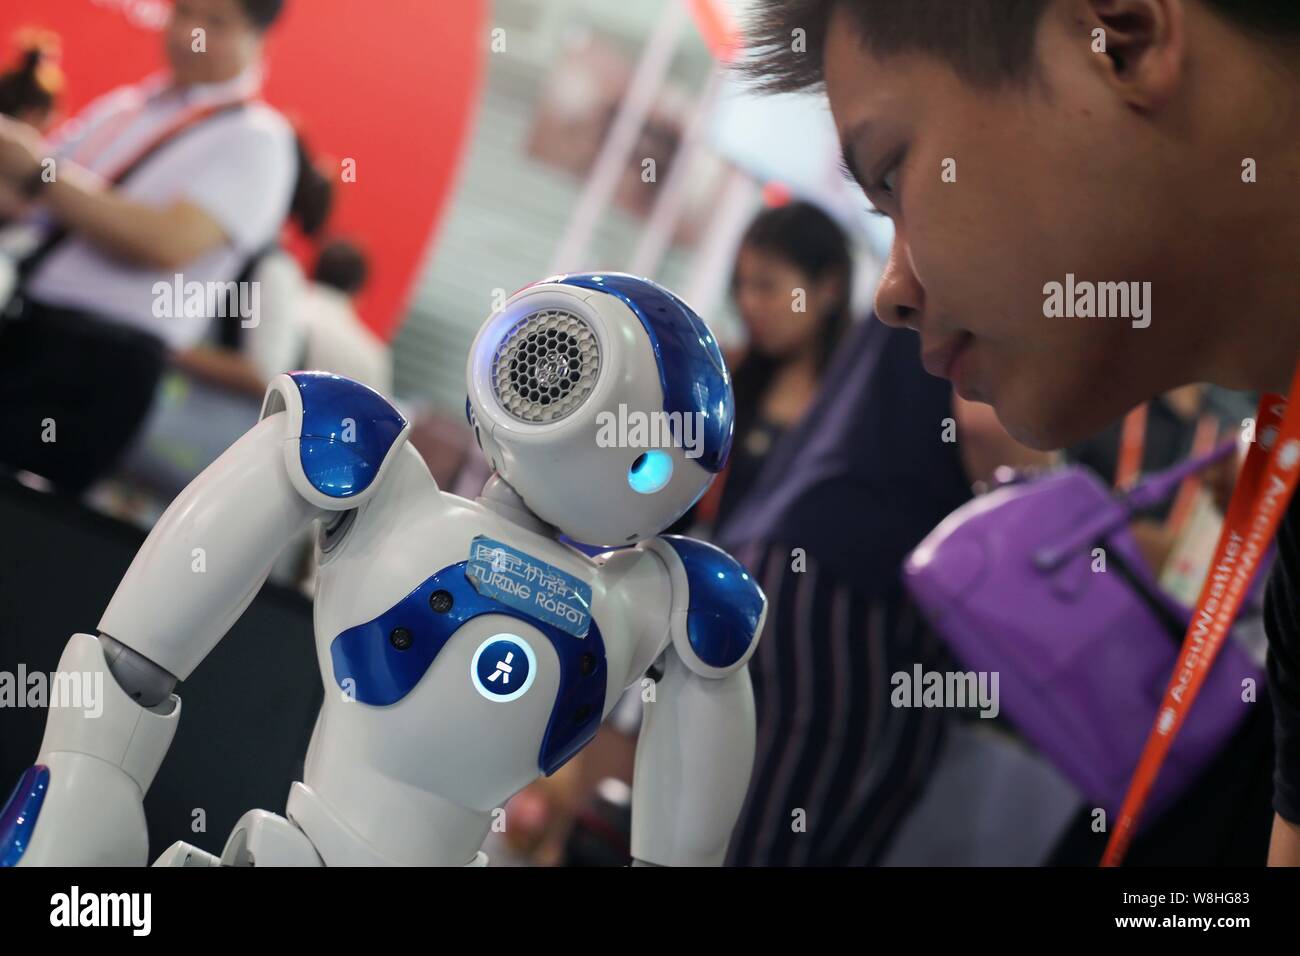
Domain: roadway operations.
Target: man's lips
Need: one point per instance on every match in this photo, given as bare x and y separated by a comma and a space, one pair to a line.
940, 361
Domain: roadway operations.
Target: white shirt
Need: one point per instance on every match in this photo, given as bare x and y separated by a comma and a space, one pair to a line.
240, 167
276, 341
338, 342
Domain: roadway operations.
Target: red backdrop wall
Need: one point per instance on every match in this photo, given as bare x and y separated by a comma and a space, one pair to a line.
391, 84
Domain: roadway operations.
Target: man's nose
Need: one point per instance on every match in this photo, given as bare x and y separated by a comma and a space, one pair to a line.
899, 297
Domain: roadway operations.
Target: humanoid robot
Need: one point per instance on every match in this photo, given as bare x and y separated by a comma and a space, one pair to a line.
465, 648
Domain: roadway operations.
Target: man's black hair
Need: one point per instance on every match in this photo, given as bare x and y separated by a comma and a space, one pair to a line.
988, 42
263, 13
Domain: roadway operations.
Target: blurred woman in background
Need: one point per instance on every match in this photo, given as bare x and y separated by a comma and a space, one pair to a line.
791, 285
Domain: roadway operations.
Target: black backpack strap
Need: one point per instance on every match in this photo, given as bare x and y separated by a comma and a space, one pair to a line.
230, 327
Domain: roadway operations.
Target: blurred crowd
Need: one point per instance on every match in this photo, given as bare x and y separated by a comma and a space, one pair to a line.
147, 267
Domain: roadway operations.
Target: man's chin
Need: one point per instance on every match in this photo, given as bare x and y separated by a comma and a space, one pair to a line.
1046, 432
1026, 428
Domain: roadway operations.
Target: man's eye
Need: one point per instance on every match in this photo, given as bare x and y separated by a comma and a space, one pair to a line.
887, 183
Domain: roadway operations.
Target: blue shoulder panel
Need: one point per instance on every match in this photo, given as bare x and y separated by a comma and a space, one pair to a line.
725, 605
348, 430
18, 818
691, 370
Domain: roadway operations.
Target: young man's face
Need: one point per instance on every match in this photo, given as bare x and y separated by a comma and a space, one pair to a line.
1054, 177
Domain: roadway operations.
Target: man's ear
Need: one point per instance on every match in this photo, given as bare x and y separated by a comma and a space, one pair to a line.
1143, 47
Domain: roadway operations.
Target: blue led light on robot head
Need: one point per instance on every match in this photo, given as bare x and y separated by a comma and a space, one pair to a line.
650, 472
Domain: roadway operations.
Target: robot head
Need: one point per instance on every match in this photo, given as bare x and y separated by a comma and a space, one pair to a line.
603, 401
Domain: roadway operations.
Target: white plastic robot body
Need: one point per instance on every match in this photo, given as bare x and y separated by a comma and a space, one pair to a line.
429, 606
418, 779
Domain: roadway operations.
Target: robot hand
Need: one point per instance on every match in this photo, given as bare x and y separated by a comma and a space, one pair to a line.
107, 829
81, 804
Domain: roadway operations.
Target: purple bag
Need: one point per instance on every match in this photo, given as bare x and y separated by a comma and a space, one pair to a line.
1083, 657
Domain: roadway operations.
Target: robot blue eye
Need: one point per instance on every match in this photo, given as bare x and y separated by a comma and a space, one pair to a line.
650, 472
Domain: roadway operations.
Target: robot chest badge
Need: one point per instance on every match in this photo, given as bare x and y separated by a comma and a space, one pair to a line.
380, 661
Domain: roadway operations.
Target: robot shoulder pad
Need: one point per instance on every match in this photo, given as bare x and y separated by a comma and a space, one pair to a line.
718, 608
341, 436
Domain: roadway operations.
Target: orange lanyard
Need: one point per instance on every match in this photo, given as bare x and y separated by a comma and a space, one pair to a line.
1132, 442
1265, 486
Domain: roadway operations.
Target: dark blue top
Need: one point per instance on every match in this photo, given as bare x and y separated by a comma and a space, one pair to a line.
857, 485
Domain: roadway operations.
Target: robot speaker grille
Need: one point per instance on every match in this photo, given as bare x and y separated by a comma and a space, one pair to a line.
546, 366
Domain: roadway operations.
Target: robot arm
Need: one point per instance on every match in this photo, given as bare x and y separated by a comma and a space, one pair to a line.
696, 748
198, 570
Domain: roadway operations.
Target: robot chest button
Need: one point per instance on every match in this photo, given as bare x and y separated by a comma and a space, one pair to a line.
503, 668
